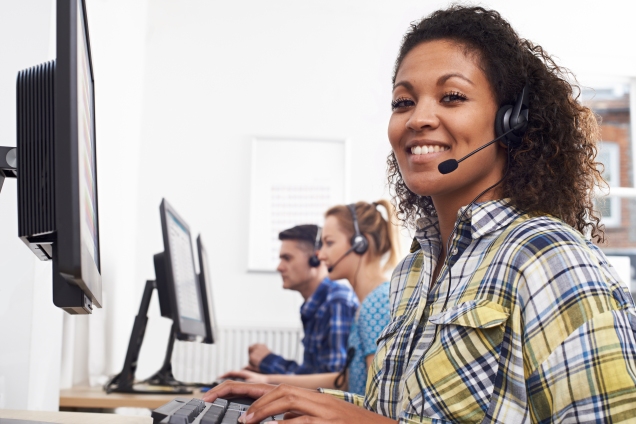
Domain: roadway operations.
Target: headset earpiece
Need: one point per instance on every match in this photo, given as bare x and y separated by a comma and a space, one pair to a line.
314, 262
515, 118
359, 243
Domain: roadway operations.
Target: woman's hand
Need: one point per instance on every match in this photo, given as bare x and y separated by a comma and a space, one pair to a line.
235, 388
248, 376
308, 407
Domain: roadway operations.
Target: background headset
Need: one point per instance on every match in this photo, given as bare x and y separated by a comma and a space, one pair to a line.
314, 262
359, 243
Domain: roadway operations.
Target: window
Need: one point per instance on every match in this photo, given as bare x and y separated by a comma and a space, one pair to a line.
611, 100
610, 207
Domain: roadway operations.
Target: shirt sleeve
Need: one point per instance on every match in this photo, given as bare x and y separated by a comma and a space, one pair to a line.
276, 364
337, 321
374, 317
346, 396
591, 376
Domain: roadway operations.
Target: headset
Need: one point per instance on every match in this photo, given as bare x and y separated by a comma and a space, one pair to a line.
359, 243
512, 120
314, 262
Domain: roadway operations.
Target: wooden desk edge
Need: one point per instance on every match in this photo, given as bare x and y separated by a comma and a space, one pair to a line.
95, 397
72, 417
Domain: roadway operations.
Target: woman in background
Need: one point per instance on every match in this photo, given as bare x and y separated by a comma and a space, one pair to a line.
355, 240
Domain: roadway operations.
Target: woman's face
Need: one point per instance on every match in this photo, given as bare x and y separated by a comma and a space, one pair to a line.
335, 243
444, 108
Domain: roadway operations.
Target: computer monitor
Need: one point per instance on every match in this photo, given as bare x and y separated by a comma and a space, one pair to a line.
56, 164
186, 300
205, 282
184, 297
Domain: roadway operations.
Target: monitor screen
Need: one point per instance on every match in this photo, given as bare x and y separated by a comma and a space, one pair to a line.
206, 288
181, 277
86, 143
185, 278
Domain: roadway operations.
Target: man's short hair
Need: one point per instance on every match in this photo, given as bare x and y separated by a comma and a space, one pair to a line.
302, 233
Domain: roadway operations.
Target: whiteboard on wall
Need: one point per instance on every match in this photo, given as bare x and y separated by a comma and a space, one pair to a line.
293, 182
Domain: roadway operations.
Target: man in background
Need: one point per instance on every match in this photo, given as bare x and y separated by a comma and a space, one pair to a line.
327, 313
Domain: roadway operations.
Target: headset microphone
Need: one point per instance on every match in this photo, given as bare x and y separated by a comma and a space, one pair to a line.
359, 243
341, 258
450, 165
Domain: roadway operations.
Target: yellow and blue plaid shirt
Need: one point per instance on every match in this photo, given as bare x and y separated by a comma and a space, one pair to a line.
538, 328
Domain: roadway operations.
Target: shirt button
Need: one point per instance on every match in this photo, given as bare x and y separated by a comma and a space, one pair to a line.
454, 251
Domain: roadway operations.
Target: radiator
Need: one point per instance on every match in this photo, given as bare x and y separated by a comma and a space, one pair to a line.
198, 362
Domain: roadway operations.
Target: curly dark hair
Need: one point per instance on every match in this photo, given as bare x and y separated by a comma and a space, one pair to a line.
554, 170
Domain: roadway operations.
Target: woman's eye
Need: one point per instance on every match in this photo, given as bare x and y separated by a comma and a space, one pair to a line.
401, 103
453, 97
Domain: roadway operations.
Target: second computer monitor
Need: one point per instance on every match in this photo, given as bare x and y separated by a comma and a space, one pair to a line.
181, 278
206, 291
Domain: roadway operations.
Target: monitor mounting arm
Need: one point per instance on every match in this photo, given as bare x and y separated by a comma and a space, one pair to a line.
8, 164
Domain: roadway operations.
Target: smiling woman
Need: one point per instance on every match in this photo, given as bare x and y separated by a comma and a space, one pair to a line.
503, 311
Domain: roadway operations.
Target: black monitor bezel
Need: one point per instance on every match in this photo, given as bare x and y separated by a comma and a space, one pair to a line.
185, 327
75, 262
205, 282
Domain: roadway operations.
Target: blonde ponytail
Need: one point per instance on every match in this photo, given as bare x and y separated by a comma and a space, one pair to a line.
392, 234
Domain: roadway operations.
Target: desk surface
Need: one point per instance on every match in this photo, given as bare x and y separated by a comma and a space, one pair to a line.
72, 417
96, 397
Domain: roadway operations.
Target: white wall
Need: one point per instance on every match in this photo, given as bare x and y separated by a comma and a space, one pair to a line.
182, 86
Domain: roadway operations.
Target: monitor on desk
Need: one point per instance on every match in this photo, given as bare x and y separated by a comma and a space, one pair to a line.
56, 164
183, 300
206, 292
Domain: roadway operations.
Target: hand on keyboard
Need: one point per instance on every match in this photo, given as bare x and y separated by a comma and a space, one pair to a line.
223, 379
275, 400
246, 376
195, 411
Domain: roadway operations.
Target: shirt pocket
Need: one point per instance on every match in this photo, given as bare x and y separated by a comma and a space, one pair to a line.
455, 379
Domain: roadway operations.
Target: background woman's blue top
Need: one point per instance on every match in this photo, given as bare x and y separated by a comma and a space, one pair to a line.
369, 322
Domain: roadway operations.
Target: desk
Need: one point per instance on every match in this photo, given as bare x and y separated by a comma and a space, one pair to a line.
96, 398
72, 417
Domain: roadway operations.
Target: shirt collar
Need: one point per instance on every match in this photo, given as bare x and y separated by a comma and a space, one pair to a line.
311, 305
491, 216
484, 219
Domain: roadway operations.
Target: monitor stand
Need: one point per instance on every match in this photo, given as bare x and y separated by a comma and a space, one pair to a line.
8, 164
124, 382
164, 376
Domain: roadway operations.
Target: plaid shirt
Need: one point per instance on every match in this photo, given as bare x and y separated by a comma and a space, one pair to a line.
327, 318
538, 328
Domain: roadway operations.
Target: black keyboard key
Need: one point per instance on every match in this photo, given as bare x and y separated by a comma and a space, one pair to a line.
231, 416
190, 411
168, 409
198, 405
213, 415
178, 419
221, 402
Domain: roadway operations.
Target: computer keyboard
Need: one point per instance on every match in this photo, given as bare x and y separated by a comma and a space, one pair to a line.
196, 411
